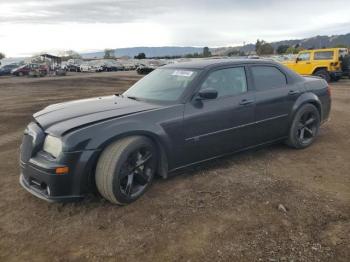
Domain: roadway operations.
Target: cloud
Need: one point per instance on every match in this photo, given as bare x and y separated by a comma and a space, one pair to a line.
79, 11
96, 24
119, 11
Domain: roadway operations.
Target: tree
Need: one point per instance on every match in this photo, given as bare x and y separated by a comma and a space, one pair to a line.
2, 56
267, 49
282, 49
109, 54
258, 45
195, 55
294, 49
263, 48
140, 56
236, 53
206, 52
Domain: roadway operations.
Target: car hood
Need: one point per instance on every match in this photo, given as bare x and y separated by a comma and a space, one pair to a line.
59, 118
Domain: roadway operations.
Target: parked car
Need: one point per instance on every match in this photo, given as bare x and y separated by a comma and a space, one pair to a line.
177, 116
36, 69
73, 65
73, 68
112, 67
88, 67
145, 69
130, 66
324, 63
109, 68
6, 69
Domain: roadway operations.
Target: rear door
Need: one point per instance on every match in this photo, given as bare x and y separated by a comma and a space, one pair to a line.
222, 125
275, 97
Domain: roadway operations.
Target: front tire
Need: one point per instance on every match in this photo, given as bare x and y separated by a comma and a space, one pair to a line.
126, 169
305, 127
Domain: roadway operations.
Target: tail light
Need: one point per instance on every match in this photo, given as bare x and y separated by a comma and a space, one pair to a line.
334, 64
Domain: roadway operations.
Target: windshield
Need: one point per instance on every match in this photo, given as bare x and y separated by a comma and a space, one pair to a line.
162, 85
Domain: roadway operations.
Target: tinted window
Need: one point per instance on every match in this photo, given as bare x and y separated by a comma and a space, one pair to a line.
268, 77
229, 81
324, 55
304, 57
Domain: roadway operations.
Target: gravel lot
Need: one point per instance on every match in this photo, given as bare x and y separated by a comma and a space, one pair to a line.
225, 210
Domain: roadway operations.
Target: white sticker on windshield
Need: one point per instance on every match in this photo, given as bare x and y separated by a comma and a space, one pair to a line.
184, 73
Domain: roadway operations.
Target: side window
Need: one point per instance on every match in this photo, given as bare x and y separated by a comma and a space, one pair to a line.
268, 77
228, 81
304, 56
324, 55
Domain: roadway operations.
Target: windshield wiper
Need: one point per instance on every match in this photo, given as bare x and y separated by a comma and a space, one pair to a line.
132, 97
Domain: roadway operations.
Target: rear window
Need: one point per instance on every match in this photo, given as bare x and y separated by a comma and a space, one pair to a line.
268, 77
324, 55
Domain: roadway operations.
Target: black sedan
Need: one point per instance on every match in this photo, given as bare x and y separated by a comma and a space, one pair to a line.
177, 116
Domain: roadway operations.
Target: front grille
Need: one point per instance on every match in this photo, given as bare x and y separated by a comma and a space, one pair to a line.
32, 141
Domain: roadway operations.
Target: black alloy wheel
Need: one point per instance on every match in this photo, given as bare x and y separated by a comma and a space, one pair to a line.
126, 168
136, 172
305, 127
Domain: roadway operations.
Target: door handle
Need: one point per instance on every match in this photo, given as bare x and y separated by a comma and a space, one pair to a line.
245, 102
293, 92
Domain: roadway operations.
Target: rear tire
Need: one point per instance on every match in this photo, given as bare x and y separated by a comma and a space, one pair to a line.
324, 74
126, 169
305, 127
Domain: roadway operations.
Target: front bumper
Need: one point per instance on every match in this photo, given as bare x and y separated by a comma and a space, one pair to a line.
44, 193
38, 177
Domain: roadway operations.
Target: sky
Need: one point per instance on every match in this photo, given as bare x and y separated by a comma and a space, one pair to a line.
32, 26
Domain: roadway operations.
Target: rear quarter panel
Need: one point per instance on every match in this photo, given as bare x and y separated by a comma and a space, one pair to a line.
319, 88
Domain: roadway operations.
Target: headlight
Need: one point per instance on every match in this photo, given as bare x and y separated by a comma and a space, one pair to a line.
53, 146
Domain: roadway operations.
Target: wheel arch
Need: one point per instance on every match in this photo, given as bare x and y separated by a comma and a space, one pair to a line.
162, 169
306, 98
319, 68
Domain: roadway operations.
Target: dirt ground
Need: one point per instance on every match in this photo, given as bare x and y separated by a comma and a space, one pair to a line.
226, 210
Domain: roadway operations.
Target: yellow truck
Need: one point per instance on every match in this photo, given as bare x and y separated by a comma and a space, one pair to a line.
325, 63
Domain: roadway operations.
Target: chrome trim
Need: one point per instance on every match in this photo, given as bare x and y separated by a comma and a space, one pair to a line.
196, 138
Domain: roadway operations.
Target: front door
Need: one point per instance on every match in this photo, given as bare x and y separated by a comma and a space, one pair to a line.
303, 64
218, 126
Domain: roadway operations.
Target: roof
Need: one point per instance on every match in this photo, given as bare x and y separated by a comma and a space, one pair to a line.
322, 49
208, 63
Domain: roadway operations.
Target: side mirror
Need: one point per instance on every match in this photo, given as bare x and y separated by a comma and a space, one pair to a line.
297, 60
208, 93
